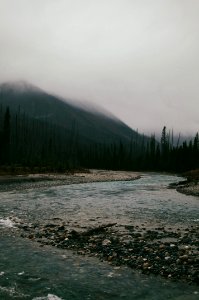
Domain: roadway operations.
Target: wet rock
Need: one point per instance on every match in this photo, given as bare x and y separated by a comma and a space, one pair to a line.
106, 242
162, 246
184, 257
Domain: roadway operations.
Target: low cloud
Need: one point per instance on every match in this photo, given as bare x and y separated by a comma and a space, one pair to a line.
138, 59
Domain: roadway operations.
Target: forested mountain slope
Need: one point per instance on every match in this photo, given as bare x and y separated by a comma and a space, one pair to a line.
90, 125
39, 130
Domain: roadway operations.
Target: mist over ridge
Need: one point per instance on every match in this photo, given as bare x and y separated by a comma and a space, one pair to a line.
88, 121
136, 59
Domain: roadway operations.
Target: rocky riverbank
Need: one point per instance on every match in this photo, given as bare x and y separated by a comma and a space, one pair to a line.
29, 181
189, 188
191, 185
21, 182
169, 252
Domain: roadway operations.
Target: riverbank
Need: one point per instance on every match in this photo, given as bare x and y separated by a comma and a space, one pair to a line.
42, 180
191, 185
190, 188
29, 181
170, 252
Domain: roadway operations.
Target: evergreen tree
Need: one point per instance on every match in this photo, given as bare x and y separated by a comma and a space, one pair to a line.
6, 137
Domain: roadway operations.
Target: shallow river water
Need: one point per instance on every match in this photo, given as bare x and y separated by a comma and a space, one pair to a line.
28, 271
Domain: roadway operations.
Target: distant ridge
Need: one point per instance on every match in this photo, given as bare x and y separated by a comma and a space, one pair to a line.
92, 125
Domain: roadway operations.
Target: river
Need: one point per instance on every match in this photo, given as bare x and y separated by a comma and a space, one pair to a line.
29, 271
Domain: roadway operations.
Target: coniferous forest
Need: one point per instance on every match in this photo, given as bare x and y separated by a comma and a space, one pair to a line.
31, 144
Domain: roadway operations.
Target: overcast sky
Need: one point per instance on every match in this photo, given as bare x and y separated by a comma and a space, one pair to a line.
138, 59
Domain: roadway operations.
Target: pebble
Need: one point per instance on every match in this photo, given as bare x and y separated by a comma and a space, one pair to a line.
21, 273
184, 257
167, 257
106, 242
187, 247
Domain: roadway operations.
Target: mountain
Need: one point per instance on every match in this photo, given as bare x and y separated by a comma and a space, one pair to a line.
40, 132
90, 125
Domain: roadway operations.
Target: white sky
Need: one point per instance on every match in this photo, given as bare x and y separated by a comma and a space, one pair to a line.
139, 59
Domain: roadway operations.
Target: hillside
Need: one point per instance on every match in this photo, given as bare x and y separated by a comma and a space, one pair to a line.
91, 126
40, 132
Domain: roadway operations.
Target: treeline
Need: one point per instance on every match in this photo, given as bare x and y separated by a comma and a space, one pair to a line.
36, 144
147, 156
167, 156
40, 146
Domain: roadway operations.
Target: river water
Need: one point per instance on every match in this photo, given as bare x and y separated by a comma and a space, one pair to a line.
28, 271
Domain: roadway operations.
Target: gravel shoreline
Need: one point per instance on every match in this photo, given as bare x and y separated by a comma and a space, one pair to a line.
191, 185
191, 188
21, 182
168, 252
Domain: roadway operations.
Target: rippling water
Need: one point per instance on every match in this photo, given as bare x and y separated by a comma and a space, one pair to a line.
28, 271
